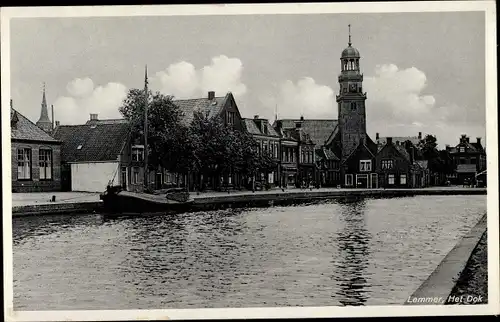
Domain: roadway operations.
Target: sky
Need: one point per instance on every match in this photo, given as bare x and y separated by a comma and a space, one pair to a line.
423, 72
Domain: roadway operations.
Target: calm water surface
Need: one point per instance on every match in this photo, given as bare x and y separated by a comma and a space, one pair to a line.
372, 252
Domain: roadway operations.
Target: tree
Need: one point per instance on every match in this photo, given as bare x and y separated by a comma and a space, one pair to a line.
168, 143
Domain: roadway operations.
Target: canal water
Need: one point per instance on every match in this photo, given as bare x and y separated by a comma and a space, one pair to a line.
370, 252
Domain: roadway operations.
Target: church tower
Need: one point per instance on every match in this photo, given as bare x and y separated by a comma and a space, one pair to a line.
44, 122
351, 101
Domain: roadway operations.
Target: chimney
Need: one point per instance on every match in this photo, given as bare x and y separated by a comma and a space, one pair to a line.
58, 123
478, 140
420, 135
211, 95
467, 139
93, 117
389, 141
397, 142
11, 103
256, 117
377, 136
302, 118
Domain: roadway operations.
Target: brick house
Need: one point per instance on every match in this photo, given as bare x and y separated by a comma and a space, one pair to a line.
36, 156
268, 142
98, 153
469, 159
224, 107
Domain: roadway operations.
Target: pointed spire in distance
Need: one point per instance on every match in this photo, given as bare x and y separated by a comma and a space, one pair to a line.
349, 25
146, 77
44, 114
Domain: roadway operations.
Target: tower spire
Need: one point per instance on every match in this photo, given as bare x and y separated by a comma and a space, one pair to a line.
146, 102
349, 25
44, 122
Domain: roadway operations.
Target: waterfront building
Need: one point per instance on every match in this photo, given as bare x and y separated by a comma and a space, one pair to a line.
224, 107
469, 159
268, 141
98, 153
397, 168
36, 156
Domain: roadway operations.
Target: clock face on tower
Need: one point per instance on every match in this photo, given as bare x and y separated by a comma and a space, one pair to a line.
353, 88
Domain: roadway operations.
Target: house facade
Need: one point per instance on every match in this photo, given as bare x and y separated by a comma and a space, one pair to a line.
100, 153
211, 106
469, 159
36, 156
268, 141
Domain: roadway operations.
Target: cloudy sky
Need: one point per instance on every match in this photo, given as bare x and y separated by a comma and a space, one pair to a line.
423, 71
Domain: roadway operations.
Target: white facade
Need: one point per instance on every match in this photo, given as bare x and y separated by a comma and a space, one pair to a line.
93, 176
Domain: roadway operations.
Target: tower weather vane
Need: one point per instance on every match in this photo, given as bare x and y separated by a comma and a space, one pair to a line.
349, 25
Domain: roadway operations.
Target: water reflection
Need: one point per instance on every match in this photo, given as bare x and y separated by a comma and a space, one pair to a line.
350, 269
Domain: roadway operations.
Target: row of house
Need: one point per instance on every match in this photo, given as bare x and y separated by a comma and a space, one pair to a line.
327, 152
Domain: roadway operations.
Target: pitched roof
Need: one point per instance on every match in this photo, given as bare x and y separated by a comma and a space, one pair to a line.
24, 129
99, 141
470, 147
326, 154
401, 149
319, 130
254, 129
424, 164
209, 107
401, 139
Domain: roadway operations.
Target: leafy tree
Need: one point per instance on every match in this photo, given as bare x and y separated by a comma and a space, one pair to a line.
168, 143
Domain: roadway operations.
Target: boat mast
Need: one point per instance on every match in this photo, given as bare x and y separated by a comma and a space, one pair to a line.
146, 94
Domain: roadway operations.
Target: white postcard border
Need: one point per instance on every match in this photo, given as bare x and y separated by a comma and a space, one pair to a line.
292, 312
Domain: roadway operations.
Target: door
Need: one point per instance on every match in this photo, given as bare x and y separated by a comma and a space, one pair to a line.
124, 178
374, 181
66, 177
158, 181
361, 181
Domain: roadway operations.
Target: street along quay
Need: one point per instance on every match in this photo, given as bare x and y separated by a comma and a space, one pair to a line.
73, 203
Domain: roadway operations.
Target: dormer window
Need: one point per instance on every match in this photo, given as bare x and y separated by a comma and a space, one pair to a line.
462, 149
79, 147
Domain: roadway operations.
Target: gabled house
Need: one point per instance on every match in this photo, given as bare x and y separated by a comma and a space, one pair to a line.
268, 143
36, 156
397, 168
98, 153
211, 106
469, 159
329, 167
359, 169
288, 165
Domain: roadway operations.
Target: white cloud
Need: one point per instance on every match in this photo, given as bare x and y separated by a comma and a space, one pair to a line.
396, 97
84, 99
302, 98
183, 80
80, 87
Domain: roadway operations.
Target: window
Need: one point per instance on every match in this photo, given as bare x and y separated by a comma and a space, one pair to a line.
24, 164
138, 153
348, 179
135, 176
45, 164
302, 156
391, 179
462, 149
463, 160
402, 179
230, 117
365, 165
387, 164
473, 160
353, 106
276, 150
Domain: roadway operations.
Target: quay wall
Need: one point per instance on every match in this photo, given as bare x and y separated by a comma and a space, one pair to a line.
437, 288
56, 208
257, 199
297, 197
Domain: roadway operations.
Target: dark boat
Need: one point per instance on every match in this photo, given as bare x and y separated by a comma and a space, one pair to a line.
117, 201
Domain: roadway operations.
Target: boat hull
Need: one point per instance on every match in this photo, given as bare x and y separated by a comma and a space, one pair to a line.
122, 203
